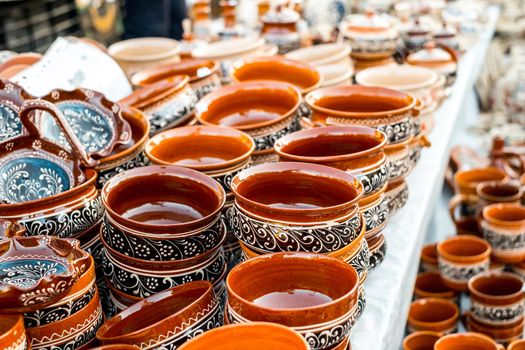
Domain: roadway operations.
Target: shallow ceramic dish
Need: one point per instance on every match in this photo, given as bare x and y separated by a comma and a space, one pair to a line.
429, 314
324, 54
165, 320
37, 271
12, 334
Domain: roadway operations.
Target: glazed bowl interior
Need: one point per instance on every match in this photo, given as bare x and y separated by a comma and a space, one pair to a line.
423, 340
200, 147
248, 105
311, 281
465, 341
475, 176
397, 77
162, 196
255, 335
496, 285
509, 213
433, 310
463, 246
194, 68
295, 191
294, 72
494, 189
431, 282
144, 49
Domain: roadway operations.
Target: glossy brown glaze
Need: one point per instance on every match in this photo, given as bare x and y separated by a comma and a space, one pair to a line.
517, 345
155, 92
430, 285
248, 105
333, 278
422, 340
204, 148
253, 336
467, 341
467, 180
464, 249
163, 198
296, 192
12, 330
297, 73
432, 314
496, 288
196, 69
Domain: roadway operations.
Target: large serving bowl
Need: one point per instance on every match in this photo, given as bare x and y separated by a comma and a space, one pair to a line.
318, 295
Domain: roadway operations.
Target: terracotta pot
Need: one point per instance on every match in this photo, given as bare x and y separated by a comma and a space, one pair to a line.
517, 345
430, 285
319, 295
134, 55
165, 319
503, 227
254, 335
422, 340
357, 150
429, 314
396, 196
496, 299
203, 75
388, 110
12, 334
461, 258
322, 55
467, 341
502, 335
429, 258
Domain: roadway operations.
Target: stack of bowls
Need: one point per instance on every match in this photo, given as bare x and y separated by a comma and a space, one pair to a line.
357, 150
162, 228
213, 150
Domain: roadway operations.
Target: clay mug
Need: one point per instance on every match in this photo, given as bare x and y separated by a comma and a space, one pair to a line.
467, 341
497, 299
422, 340
431, 314
517, 345
503, 227
430, 285
429, 258
461, 258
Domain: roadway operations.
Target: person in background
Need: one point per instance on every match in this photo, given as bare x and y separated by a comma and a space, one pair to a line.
157, 18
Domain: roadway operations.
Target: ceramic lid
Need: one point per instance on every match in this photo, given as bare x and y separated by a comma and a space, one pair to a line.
371, 25
430, 54
281, 14
445, 32
417, 28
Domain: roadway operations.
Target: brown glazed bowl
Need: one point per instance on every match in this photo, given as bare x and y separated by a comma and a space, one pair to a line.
422, 340
297, 193
318, 295
430, 285
253, 336
388, 110
266, 110
466, 181
355, 149
165, 319
517, 345
461, 258
467, 341
497, 299
12, 332
500, 334
429, 258
301, 75
432, 314
503, 227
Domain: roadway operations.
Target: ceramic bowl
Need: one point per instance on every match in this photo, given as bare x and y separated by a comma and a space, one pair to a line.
502, 335
38, 271
396, 196
429, 258
319, 295
437, 315
13, 335
503, 227
357, 150
322, 55
496, 299
265, 110
337, 74
517, 345
203, 75
166, 319
461, 258
254, 335
134, 55
422, 340
388, 110
167, 103
430, 285
467, 341
466, 181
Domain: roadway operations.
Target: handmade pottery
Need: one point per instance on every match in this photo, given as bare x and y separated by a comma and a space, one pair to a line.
502, 335
336, 74
503, 227
253, 335
430, 285
461, 258
265, 110
440, 59
466, 341
318, 296
430, 314
166, 319
496, 299
422, 340
279, 27
429, 258
38, 271
322, 55
466, 181
12, 334
396, 196
400, 163
134, 55
17, 63
203, 75
517, 345
9, 229
167, 103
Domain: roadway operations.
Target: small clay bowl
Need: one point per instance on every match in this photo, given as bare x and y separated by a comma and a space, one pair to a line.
500, 334
164, 319
467, 341
517, 345
12, 332
466, 181
461, 258
429, 258
431, 314
422, 340
430, 285
497, 299
254, 335
503, 226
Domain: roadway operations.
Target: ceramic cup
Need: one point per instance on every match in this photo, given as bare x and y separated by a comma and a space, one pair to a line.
497, 299
467, 341
422, 340
461, 258
430, 285
503, 227
12, 333
429, 258
430, 314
